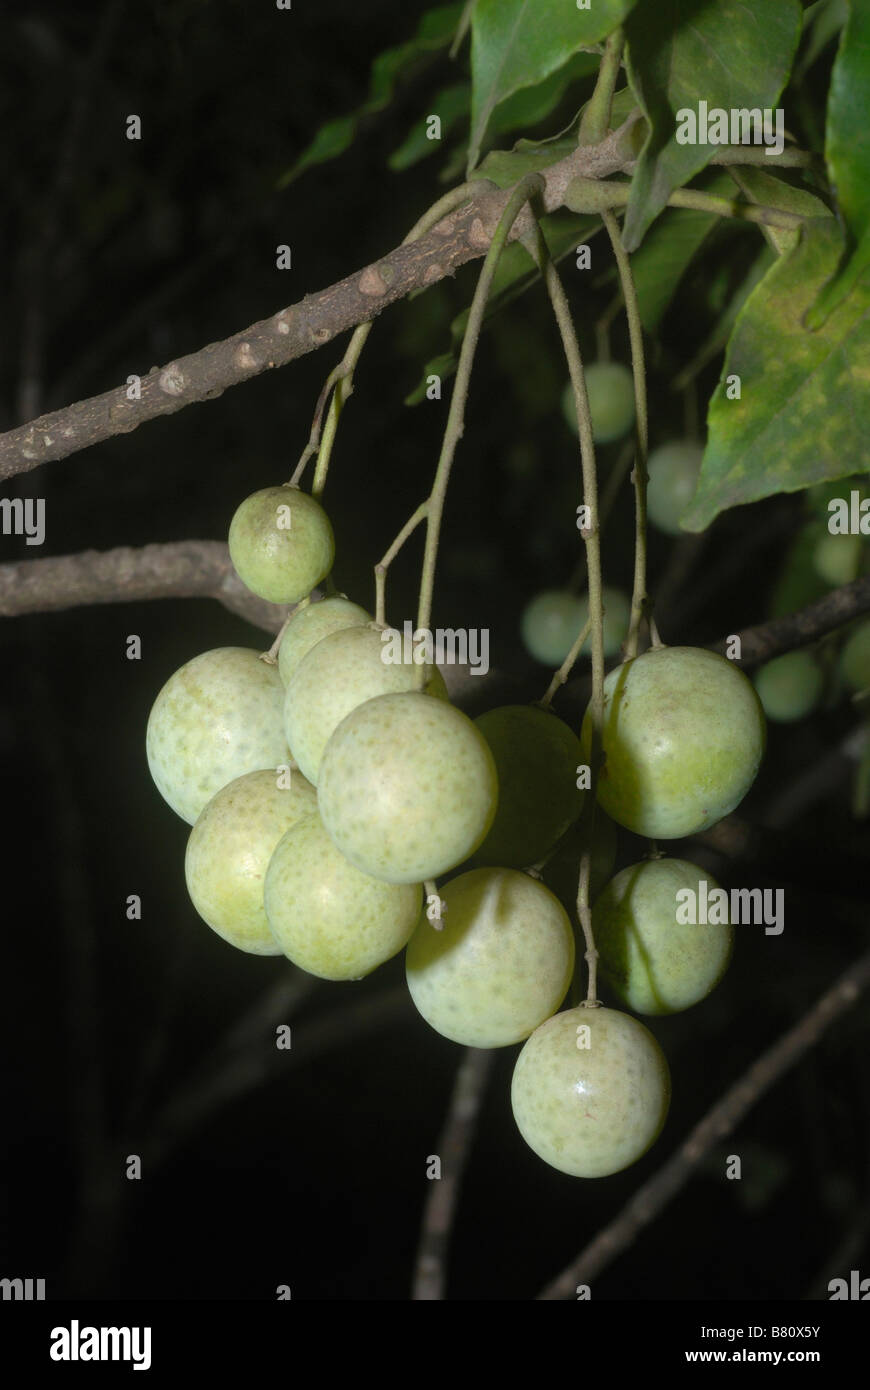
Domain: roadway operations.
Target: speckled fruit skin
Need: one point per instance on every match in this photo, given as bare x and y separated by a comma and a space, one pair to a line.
341, 672
310, 625
501, 964
408, 787
536, 759
653, 963
683, 737
281, 564
610, 388
595, 1110
561, 873
789, 687
229, 849
327, 917
673, 471
218, 717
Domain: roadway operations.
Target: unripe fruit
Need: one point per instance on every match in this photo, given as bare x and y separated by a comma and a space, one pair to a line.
683, 738
218, 717
281, 543
310, 625
229, 850
789, 686
326, 916
499, 966
408, 787
553, 620
673, 471
343, 671
837, 558
855, 658
591, 1090
654, 963
536, 759
610, 388
562, 873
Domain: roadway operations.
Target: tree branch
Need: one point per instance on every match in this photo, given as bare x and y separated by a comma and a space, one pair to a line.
649, 1199
314, 321
183, 569
759, 644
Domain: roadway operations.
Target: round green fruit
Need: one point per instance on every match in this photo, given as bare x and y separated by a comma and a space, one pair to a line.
218, 717
499, 966
855, 658
673, 471
591, 1090
837, 558
408, 787
610, 388
553, 620
536, 758
281, 543
654, 962
311, 624
229, 849
683, 738
326, 916
343, 671
562, 873
789, 686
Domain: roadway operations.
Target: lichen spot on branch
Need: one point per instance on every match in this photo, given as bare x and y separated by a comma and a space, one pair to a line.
372, 282
244, 358
173, 380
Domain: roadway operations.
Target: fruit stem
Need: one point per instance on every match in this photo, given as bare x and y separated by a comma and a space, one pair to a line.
565, 669
639, 476
341, 377
595, 121
525, 190
271, 656
389, 556
591, 539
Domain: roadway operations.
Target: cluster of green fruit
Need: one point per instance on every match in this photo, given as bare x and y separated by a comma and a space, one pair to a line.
328, 790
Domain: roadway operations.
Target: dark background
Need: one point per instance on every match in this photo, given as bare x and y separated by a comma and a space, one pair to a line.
307, 1168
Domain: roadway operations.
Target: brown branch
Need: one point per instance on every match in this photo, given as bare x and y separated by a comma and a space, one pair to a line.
453, 1146
650, 1199
315, 320
759, 644
183, 569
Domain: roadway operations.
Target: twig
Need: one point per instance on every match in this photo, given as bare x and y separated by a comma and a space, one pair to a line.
181, 569
759, 644
302, 327
453, 1147
649, 1199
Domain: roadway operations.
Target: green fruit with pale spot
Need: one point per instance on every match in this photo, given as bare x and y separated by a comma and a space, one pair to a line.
311, 624
229, 849
218, 717
325, 915
499, 966
683, 738
837, 558
536, 758
610, 388
673, 471
408, 787
653, 962
343, 671
591, 1091
281, 543
790, 686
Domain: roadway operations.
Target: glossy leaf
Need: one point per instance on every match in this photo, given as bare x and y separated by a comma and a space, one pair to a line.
804, 411
729, 53
660, 263
518, 43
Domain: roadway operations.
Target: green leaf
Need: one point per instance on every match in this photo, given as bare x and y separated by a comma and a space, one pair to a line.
518, 43
660, 263
532, 105
449, 105
804, 411
847, 152
563, 232
435, 30
821, 24
758, 186
507, 167
732, 54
